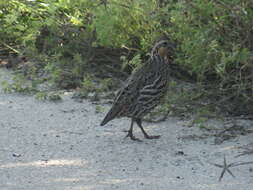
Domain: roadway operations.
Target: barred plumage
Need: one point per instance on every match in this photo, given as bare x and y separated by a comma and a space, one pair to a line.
143, 90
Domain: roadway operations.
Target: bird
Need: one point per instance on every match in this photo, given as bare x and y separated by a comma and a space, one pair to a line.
143, 90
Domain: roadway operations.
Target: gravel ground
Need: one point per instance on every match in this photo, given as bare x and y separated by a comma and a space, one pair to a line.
60, 146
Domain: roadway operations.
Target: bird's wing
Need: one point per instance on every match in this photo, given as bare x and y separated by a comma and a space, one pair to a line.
150, 94
127, 95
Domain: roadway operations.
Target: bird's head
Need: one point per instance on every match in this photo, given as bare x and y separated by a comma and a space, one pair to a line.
164, 48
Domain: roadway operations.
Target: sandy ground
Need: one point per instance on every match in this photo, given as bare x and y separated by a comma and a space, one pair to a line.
60, 146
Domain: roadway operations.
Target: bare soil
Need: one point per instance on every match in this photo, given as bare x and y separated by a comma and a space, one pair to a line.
60, 146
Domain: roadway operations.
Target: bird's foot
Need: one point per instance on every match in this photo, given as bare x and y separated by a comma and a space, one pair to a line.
132, 137
152, 136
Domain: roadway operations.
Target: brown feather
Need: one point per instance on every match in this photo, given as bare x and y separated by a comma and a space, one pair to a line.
143, 89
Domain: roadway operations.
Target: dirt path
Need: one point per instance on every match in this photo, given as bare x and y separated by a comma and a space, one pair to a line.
60, 146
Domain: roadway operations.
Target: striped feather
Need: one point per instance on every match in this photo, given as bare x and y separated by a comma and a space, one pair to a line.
142, 91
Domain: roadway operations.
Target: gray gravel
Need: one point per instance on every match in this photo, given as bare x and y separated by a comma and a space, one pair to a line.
60, 146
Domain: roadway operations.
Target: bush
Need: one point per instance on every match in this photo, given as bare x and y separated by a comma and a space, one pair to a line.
71, 40
215, 44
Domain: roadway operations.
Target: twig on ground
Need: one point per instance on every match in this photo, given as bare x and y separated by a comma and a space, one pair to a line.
226, 167
9, 47
248, 149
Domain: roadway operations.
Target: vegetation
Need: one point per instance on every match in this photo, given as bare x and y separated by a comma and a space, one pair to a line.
82, 43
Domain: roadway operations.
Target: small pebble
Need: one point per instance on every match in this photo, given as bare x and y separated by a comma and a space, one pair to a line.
16, 155
180, 152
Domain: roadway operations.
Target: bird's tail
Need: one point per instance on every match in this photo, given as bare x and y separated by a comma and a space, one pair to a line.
105, 120
109, 116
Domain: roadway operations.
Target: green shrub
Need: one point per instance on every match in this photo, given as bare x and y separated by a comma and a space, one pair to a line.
215, 37
72, 40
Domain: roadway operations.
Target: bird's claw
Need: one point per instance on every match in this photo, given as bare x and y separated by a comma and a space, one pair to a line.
152, 137
132, 137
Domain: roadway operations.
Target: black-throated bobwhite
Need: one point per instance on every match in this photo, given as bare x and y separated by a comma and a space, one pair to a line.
143, 90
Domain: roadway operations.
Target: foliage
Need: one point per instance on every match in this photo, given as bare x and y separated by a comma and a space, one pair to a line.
19, 84
134, 63
67, 42
41, 96
50, 96
214, 35
216, 42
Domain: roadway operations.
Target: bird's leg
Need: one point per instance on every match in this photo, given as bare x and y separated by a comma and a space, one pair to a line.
130, 132
138, 121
